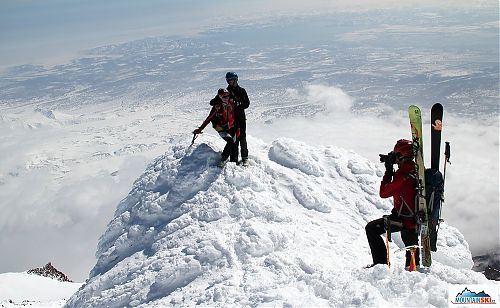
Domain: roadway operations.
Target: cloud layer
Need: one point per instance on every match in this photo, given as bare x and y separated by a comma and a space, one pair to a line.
58, 219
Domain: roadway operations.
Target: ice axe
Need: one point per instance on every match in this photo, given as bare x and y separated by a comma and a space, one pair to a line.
195, 135
196, 132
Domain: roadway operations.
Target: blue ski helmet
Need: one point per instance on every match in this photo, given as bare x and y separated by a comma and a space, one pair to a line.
231, 76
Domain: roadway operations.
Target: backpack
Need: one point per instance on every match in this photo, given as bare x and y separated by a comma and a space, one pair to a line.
223, 118
434, 189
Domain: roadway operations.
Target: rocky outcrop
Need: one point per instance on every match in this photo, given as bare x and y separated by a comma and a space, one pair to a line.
489, 265
50, 271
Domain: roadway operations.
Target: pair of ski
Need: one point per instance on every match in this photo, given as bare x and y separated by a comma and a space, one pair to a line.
416, 131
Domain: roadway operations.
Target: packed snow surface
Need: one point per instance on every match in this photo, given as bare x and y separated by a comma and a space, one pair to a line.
23, 289
287, 230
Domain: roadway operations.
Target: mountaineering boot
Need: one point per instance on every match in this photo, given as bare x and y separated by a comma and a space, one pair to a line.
420, 269
244, 162
222, 162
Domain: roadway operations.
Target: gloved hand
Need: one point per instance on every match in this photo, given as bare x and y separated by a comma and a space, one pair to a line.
394, 215
389, 168
198, 131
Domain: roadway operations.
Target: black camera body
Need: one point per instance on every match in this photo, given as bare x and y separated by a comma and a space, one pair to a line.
389, 158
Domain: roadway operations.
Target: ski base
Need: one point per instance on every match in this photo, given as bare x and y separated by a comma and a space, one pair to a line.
416, 132
426, 246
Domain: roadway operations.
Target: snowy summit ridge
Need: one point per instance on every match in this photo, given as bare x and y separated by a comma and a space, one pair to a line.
287, 230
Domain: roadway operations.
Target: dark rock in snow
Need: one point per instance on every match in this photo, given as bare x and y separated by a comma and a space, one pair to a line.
50, 271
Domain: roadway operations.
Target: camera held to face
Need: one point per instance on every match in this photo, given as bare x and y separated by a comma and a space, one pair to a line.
389, 158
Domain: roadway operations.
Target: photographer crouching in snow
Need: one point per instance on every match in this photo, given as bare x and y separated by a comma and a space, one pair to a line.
401, 185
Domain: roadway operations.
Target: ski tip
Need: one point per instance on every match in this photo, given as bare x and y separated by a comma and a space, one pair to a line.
413, 109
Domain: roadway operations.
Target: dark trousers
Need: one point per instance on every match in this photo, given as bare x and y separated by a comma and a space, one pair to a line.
242, 141
231, 147
377, 245
230, 150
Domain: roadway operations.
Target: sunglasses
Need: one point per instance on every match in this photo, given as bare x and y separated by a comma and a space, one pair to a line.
231, 79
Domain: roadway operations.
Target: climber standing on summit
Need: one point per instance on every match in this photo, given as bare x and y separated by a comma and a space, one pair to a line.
401, 185
222, 118
241, 101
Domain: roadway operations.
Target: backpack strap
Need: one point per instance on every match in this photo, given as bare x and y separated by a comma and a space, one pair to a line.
413, 212
404, 204
430, 204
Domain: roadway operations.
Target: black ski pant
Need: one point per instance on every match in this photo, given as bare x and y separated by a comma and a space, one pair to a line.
230, 149
376, 228
242, 140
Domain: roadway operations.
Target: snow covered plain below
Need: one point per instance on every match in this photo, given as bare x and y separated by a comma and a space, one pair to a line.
286, 231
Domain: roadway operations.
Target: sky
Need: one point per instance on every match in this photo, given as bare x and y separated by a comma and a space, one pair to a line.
53, 32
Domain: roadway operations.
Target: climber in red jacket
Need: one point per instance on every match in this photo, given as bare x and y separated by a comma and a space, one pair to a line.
401, 185
222, 117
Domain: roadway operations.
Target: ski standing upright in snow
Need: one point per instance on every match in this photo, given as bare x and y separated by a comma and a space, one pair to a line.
434, 179
436, 129
416, 132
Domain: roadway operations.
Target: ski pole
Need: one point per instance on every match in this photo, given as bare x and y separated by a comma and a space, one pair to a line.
446, 160
413, 265
387, 245
447, 155
388, 239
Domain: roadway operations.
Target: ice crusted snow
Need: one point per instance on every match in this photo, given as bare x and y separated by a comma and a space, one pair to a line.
286, 231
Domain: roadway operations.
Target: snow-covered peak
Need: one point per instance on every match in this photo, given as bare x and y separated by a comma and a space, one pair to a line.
287, 230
